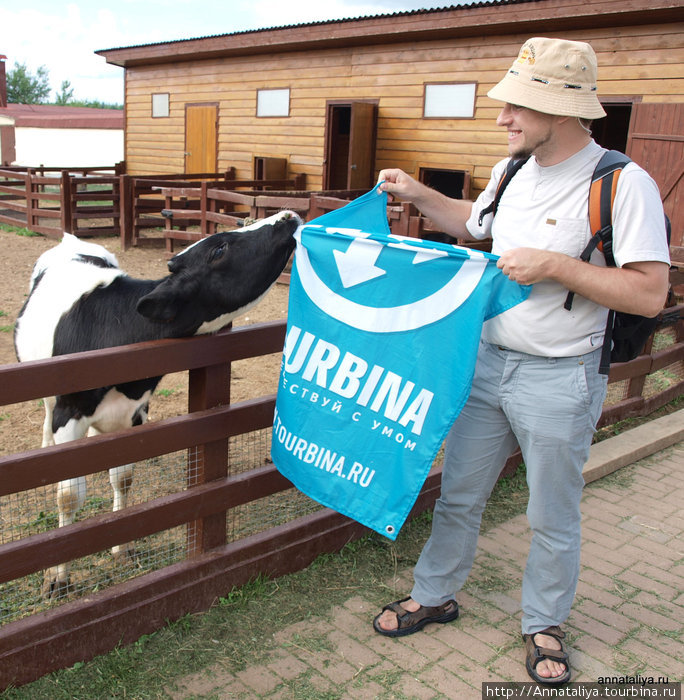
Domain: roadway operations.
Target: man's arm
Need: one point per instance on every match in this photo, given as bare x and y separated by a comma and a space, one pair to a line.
448, 215
636, 288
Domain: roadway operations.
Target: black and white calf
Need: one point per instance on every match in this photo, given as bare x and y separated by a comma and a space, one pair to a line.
80, 300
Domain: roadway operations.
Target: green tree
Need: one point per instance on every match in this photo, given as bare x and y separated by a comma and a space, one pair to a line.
66, 94
94, 103
26, 88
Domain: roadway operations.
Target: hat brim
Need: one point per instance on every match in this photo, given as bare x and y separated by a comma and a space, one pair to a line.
558, 100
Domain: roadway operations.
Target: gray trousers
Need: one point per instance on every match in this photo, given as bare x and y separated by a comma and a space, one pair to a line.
550, 407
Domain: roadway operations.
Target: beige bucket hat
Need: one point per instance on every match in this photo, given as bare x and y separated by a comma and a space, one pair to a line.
554, 76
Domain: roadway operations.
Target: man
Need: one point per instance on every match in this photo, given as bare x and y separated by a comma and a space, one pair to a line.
536, 381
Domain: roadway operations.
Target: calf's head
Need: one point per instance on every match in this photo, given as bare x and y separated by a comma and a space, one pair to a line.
219, 277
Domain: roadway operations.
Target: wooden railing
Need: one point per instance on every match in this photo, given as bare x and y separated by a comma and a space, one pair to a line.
90, 201
84, 627
206, 207
50, 201
142, 201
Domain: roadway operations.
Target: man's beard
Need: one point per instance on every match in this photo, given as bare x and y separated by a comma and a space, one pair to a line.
526, 150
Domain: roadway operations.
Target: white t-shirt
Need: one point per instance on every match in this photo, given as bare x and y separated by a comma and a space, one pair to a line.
547, 207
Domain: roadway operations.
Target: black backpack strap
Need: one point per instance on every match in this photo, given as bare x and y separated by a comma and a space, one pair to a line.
604, 365
512, 168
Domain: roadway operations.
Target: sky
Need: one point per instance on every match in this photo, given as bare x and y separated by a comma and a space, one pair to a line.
63, 36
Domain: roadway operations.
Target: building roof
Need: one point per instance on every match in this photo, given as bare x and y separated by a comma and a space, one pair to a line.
59, 117
473, 19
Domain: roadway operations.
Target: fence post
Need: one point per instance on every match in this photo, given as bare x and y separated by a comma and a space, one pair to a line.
116, 205
400, 226
635, 385
30, 217
208, 387
213, 207
66, 220
203, 208
125, 211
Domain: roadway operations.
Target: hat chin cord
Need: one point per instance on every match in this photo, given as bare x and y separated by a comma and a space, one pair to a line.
585, 124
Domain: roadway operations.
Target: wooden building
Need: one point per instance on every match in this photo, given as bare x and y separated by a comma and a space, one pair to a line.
340, 100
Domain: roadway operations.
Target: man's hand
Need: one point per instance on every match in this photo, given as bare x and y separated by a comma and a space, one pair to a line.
447, 214
636, 288
528, 265
399, 183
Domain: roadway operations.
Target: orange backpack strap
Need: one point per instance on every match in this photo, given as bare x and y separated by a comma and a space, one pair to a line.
601, 197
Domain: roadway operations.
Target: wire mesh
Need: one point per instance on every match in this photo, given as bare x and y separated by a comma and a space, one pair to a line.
35, 511
656, 382
246, 452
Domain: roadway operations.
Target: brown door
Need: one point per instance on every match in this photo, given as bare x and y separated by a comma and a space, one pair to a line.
201, 138
656, 143
362, 145
350, 145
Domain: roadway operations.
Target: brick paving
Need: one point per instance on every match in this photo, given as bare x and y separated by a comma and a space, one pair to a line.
627, 618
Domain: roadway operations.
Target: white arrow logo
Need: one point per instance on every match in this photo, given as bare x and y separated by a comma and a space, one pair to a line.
357, 264
422, 312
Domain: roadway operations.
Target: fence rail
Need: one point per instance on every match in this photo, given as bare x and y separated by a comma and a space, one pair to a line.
82, 201
101, 201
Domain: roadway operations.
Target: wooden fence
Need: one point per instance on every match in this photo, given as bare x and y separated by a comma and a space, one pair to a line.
102, 201
83, 628
82, 201
142, 201
80, 629
211, 207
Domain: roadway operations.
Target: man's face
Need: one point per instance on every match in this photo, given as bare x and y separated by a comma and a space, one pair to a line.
529, 132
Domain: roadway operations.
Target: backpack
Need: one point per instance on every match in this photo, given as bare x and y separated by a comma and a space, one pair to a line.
626, 334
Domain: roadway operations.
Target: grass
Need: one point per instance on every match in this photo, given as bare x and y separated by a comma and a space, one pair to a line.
19, 230
621, 426
5, 329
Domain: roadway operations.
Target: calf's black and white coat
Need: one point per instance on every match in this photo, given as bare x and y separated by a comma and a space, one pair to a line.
79, 300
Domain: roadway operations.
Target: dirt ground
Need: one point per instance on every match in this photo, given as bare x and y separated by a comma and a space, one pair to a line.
21, 424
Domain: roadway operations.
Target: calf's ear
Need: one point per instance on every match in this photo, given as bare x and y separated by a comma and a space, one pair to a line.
156, 309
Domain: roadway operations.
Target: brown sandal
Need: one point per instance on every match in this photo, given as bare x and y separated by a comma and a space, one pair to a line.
535, 654
410, 622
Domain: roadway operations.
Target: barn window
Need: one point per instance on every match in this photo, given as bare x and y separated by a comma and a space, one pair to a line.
452, 183
449, 100
160, 104
273, 103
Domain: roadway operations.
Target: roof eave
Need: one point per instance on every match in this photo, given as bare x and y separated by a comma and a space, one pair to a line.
525, 16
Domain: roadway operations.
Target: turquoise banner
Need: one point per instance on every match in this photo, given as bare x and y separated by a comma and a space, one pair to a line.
379, 356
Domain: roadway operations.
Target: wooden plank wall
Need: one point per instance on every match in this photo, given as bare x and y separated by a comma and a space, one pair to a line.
634, 61
656, 142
